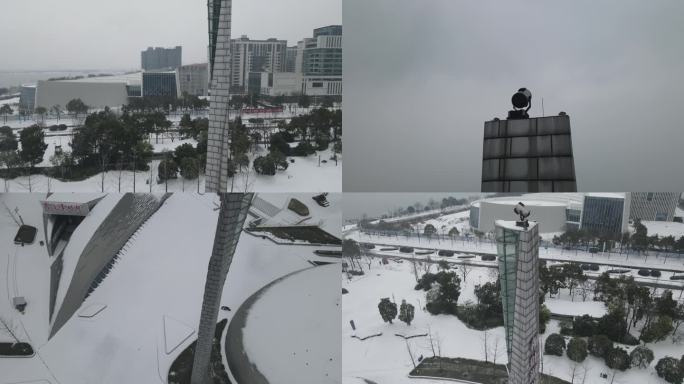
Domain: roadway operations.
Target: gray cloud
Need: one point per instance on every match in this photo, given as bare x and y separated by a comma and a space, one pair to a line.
87, 34
421, 77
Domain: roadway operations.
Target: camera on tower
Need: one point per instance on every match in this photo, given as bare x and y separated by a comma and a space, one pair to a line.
523, 212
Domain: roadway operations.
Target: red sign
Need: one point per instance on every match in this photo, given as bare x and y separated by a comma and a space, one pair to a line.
262, 110
68, 208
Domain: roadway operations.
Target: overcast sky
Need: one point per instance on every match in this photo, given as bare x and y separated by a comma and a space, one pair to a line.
421, 77
98, 34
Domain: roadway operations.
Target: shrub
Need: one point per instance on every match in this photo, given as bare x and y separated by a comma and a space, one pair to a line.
617, 358
183, 151
566, 328
644, 272
600, 345
544, 318
445, 253
554, 345
406, 312
577, 349
264, 165
406, 249
668, 369
388, 310
488, 257
655, 273
279, 143
302, 149
168, 169
189, 168
641, 357
368, 246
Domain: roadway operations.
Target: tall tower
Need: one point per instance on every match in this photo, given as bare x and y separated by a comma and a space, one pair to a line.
518, 251
218, 141
523, 154
232, 214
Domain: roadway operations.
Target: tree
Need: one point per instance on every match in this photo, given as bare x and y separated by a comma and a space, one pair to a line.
304, 101
668, 369
76, 106
444, 293
429, 230
41, 111
388, 310
464, 269
554, 345
453, 232
57, 110
617, 358
600, 345
5, 110
658, 330
613, 324
8, 142
32, 145
574, 276
184, 151
544, 318
641, 357
189, 168
406, 312
577, 349
168, 169
584, 326
264, 165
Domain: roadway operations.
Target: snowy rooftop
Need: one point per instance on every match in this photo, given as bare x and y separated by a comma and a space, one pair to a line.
536, 199
128, 78
664, 228
607, 195
512, 226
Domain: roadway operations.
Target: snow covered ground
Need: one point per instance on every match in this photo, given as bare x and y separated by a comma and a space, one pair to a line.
146, 311
385, 359
664, 228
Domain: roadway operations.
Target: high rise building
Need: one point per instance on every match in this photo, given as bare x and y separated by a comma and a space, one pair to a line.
218, 146
251, 58
290, 59
653, 206
321, 62
528, 155
518, 251
194, 79
161, 58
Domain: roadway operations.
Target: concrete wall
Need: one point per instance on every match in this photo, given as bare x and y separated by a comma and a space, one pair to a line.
95, 94
528, 155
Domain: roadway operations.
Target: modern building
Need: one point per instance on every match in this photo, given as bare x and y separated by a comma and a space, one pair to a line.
160, 84
218, 146
557, 212
27, 98
251, 58
321, 62
194, 79
161, 58
518, 254
95, 92
291, 59
653, 206
606, 213
528, 155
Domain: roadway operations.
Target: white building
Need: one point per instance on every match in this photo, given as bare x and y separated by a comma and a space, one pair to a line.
194, 79
255, 57
95, 92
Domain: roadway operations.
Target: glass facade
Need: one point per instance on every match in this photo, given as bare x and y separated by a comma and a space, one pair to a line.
603, 215
159, 84
475, 217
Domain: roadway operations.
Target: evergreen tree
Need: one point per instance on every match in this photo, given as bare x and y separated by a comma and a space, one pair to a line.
668, 369
658, 330
388, 310
406, 312
617, 358
32, 144
600, 345
641, 357
554, 345
429, 230
577, 349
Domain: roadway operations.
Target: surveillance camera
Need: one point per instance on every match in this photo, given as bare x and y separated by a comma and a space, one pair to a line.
522, 98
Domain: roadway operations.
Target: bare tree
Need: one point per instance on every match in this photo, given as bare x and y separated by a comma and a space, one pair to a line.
464, 269
408, 347
485, 346
497, 340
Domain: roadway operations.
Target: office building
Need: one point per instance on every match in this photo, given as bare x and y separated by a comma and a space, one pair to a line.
194, 79
653, 206
606, 213
161, 58
528, 155
27, 98
290, 59
321, 62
